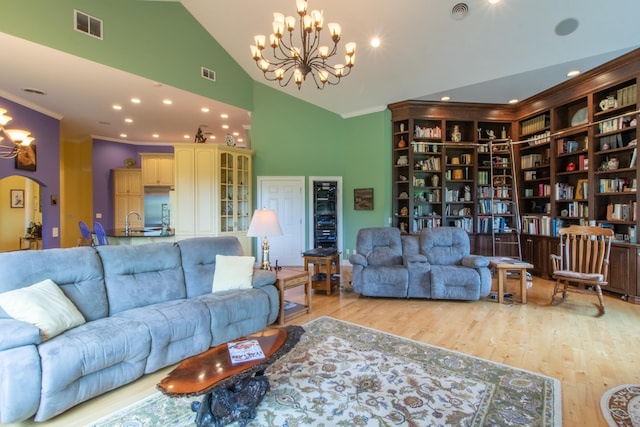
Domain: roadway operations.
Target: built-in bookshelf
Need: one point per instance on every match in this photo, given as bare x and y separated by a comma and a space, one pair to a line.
615, 159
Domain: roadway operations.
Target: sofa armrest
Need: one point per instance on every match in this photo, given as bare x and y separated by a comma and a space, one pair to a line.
358, 259
263, 278
15, 333
475, 261
414, 259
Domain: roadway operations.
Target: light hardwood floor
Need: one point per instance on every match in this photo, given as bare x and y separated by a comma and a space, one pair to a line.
588, 354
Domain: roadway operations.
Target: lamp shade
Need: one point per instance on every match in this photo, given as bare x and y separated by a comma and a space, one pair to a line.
264, 223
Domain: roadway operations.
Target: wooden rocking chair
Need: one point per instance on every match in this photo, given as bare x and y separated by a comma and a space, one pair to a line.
583, 263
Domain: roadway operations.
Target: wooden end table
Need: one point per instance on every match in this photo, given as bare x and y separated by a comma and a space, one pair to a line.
502, 266
231, 392
328, 264
289, 279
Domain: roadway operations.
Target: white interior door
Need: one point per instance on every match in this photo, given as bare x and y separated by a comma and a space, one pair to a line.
285, 195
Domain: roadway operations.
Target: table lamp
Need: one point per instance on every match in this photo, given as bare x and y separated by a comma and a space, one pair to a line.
264, 223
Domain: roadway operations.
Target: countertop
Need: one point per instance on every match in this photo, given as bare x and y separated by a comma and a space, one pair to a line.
141, 232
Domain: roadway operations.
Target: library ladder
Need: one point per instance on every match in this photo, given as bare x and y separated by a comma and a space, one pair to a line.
503, 180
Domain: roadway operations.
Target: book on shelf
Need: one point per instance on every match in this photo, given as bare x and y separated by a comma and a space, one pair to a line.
634, 160
245, 350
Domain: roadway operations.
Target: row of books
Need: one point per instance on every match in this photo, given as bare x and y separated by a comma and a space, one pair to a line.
425, 132
498, 224
627, 95
534, 124
614, 185
424, 147
564, 191
544, 190
565, 146
465, 223
622, 211
630, 236
575, 210
431, 196
485, 207
531, 160
617, 140
431, 163
612, 125
542, 225
499, 192
426, 223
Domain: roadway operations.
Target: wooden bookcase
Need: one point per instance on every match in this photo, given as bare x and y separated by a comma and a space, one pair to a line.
576, 163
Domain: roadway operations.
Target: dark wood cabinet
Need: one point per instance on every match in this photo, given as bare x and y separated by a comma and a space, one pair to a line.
623, 269
536, 250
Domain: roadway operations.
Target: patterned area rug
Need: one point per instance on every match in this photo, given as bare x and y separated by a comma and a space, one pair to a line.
345, 374
621, 405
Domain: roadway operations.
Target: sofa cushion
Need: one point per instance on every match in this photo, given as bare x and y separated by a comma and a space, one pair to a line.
141, 275
454, 282
89, 360
43, 305
199, 260
178, 329
444, 245
77, 271
233, 272
380, 245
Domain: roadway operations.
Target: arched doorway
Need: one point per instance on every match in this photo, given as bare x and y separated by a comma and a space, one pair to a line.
20, 208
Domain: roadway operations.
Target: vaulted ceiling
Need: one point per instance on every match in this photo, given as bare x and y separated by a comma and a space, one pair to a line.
494, 53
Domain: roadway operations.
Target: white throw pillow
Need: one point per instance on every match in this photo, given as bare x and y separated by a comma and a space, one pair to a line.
43, 305
233, 272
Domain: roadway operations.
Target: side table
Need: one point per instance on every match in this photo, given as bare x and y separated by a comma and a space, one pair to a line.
289, 279
502, 266
327, 264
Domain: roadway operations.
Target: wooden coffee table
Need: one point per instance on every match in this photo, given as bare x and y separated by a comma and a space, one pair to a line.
231, 392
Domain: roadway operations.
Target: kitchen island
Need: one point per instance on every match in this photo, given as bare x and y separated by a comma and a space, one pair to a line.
140, 236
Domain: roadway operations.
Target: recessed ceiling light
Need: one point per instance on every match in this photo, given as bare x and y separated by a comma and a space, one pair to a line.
236, 134
225, 126
493, 1
240, 140
167, 102
204, 109
573, 73
187, 136
513, 101
224, 116
123, 135
117, 107
128, 120
445, 98
375, 42
135, 100
155, 135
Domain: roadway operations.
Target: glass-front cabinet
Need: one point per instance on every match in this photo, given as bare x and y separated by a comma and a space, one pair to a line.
235, 191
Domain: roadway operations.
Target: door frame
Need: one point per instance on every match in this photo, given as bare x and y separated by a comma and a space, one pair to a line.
338, 180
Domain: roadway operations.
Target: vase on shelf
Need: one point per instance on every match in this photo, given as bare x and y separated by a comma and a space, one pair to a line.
456, 136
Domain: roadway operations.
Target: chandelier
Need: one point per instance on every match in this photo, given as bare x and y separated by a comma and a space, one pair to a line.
309, 57
16, 140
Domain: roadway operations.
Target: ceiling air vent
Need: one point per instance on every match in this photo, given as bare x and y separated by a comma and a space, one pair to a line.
208, 74
87, 24
459, 11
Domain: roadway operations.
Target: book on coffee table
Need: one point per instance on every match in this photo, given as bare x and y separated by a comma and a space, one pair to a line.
244, 351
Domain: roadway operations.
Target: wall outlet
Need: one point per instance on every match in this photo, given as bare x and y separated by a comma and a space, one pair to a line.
390, 221
54, 232
98, 215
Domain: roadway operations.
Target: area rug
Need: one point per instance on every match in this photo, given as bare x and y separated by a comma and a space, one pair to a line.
621, 405
342, 374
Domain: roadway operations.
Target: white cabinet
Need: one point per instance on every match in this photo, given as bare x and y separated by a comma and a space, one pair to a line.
212, 191
157, 169
127, 197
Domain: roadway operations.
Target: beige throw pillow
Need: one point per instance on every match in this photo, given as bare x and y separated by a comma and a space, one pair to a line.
233, 272
43, 305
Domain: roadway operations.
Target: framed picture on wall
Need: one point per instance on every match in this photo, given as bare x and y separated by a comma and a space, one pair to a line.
26, 158
17, 198
363, 199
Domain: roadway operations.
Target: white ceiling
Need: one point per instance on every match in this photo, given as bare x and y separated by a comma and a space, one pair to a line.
496, 53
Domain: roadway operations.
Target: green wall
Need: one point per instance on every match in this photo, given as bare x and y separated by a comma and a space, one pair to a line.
163, 42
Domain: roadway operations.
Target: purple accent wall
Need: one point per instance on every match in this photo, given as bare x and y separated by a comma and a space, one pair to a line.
46, 131
108, 155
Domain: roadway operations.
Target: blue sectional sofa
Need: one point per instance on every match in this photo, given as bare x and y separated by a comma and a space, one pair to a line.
145, 307
436, 264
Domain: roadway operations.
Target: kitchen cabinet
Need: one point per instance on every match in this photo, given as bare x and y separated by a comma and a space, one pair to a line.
127, 197
157, 169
